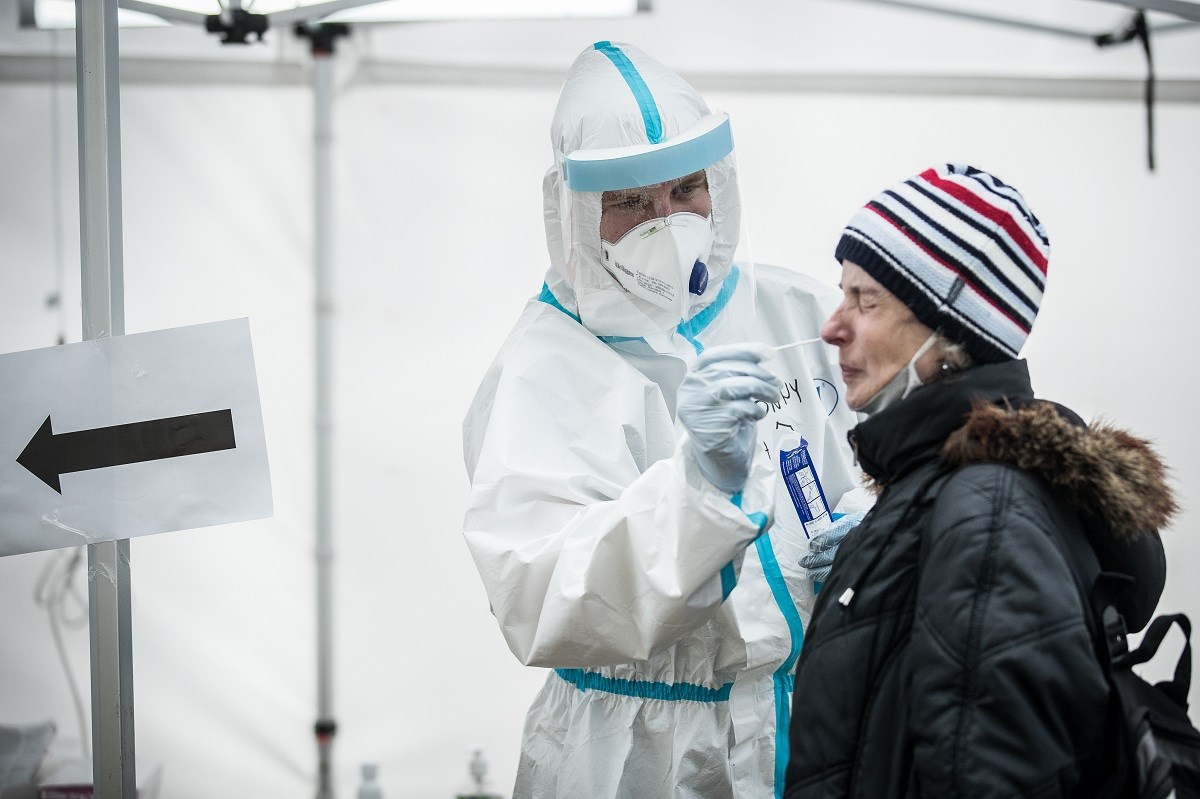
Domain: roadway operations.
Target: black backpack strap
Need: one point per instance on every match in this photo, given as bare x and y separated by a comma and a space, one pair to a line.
1107, 774
1096, 588
1177, 688
1144, 769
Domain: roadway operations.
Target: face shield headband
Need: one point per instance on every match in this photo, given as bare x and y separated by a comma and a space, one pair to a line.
639, 165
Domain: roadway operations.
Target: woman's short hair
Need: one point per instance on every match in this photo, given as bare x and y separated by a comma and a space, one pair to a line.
952, 356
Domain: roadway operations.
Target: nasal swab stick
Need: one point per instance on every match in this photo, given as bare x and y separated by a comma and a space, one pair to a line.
797, 343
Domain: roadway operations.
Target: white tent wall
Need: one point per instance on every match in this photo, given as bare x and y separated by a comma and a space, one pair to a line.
438, 242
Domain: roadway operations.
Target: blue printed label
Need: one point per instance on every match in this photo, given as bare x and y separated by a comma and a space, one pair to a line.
804, 486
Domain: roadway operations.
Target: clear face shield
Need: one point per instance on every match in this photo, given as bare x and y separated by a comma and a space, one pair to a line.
650, 234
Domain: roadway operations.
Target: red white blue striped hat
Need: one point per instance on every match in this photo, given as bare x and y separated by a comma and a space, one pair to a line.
962, 250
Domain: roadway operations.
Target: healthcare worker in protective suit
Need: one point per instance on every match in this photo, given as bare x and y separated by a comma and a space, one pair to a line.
654, 567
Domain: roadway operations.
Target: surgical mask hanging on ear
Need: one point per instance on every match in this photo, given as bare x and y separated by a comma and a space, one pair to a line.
901, 385
663, 261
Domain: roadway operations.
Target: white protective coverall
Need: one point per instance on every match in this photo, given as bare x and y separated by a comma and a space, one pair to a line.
670, 613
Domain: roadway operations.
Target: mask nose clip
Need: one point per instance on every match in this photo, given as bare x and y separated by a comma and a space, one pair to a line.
699, 280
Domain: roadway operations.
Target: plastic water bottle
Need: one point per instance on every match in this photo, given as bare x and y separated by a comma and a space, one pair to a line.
477, 769
370, 788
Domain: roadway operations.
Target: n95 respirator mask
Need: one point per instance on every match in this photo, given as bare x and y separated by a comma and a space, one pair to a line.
663, 261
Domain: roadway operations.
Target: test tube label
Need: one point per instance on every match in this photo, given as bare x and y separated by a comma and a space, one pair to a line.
804, 486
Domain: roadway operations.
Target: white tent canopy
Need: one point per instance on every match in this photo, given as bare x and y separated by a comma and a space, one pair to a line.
756, 39
440, 145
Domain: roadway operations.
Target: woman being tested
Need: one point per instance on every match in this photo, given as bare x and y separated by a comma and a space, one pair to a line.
649, 569
949, 653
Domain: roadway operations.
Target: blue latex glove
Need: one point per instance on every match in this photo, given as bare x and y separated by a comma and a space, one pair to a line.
716, 405
823, 547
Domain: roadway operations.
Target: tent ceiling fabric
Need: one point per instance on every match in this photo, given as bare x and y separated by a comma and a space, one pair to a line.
807, 37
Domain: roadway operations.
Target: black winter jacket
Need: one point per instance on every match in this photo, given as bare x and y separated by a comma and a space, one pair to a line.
948, 653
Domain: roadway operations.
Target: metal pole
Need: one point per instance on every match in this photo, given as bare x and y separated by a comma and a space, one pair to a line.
322, 256
109, 609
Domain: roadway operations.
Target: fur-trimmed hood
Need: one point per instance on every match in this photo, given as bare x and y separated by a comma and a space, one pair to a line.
1105, 472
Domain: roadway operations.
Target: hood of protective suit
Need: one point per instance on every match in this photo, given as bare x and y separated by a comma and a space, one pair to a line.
616, 96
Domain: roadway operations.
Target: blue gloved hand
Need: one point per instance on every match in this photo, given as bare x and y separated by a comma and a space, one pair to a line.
823, 547
716, 405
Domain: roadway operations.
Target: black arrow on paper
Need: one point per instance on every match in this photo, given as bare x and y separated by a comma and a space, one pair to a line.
48, 455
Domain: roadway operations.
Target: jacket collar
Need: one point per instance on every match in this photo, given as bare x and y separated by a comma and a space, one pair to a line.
895, 441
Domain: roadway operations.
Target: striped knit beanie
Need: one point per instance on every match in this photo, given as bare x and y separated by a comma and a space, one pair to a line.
962, 250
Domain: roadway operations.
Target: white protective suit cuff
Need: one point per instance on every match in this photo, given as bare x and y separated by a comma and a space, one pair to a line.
756, 500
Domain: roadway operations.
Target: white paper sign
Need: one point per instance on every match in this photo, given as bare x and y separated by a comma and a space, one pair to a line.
129, 436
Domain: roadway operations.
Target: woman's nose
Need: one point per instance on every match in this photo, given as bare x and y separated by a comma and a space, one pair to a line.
833, 332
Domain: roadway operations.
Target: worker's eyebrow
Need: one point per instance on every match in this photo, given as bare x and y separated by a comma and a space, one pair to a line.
621, 195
